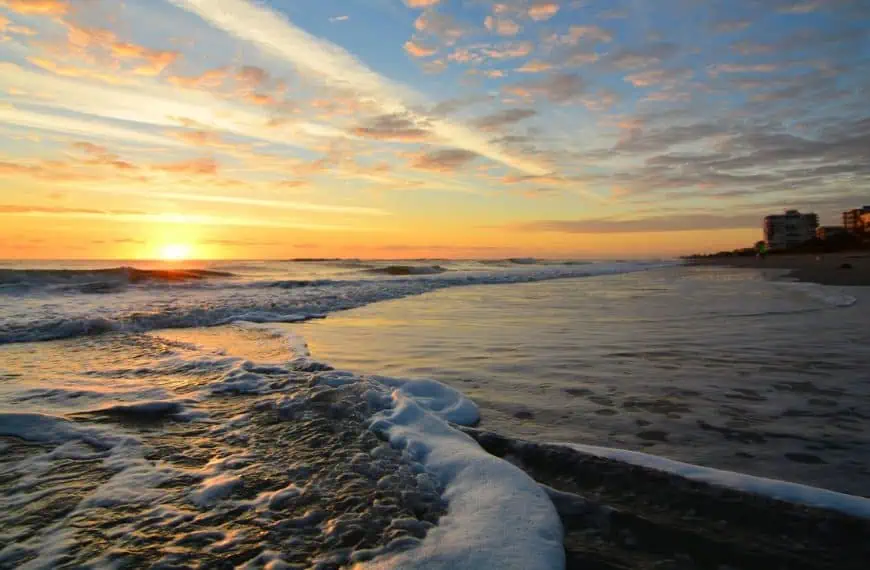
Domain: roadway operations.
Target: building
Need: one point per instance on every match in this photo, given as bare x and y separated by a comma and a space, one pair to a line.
865, 222
852, 220
831, 232
782, 231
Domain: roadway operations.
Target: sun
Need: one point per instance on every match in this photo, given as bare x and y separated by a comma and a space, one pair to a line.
175, 252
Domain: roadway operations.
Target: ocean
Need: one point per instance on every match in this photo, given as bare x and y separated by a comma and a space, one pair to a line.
387, 414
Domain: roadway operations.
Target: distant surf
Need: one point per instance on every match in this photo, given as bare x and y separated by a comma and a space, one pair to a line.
134, 300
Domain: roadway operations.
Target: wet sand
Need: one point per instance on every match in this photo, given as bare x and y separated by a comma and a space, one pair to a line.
618, 516
825, 269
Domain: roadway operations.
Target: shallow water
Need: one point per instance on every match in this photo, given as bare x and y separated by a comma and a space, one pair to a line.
136, 446
719, 367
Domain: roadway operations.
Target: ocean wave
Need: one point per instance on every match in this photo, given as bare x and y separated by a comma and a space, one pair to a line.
298, 300
99, 280
399, 270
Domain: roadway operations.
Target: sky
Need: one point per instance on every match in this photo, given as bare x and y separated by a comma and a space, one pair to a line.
424, 128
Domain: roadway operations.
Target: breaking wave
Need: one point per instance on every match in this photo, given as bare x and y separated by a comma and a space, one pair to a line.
211, 298
99, 280
408, 270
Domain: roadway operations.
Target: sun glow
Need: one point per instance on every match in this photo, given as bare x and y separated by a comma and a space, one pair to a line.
175, 252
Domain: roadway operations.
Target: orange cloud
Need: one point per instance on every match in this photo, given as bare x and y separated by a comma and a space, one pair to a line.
207, 166
418, 50
502, 26
207, 80
260, 99
543, 11
155, 60
99, 155
421, 3
534, 66
147, 61
52, 170
75, 71
47, 7
441, 25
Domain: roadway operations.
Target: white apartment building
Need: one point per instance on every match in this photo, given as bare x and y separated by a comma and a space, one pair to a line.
782, 231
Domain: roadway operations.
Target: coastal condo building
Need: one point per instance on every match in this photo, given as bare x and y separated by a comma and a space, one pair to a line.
782, 231
856, 221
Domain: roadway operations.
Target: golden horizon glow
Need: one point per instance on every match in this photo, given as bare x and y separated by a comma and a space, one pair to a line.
176, 252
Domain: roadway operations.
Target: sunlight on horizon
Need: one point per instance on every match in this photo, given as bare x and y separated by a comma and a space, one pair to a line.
176, 252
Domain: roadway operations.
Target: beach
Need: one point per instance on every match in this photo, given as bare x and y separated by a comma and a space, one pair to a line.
825, 269
432, 414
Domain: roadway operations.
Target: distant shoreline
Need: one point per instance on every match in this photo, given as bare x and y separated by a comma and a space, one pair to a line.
822, 268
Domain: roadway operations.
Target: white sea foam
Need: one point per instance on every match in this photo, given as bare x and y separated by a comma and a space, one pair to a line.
498, 517
829, 295
44, 428
780, 490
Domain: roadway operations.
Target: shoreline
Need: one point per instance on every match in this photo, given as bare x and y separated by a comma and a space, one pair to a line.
617, 515
824, 269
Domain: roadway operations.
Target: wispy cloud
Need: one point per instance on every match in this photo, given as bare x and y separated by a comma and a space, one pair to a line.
328, 62
245, 201
166, 218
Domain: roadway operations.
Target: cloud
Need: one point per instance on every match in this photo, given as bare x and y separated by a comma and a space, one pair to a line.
541, 11
157, 104
76, 71
720, 68
242, 243
252, 76
447, 160
577, 34
335, 66
54, 171
646, 56
100, 155
134, 216
504, 118
645, 141
46, 7
654, 77
335, 19
674, 223
421, 3
212, 198
147, 61
394, 127
558, 88
33, 209
199, 138
79, 127
206, 80
729, 26
751, 48
443, 26
155, 60
801, 7
502, 26
418, 50
534, 66
201, 166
